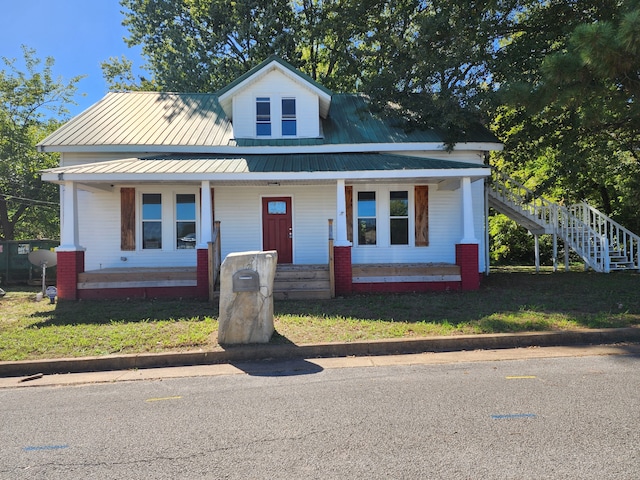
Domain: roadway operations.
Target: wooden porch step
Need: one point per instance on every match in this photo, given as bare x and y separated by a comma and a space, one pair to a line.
301, 282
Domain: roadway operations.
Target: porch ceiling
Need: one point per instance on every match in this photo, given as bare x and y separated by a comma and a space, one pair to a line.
258, 169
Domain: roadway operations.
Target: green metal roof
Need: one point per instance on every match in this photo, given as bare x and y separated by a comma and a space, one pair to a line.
159, 119
197, 119
292, 163
352, 121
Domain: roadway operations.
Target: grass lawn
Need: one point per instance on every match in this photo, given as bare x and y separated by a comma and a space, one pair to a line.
509, 300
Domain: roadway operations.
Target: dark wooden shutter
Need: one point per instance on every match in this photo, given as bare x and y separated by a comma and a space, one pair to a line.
348, 200
127, 219
422, 215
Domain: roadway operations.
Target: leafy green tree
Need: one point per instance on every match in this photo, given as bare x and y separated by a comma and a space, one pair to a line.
435, 60
32, 103
118, 73
568, 111
202, 45
574, 101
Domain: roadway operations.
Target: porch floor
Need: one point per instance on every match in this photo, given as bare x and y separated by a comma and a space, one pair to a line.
291, 282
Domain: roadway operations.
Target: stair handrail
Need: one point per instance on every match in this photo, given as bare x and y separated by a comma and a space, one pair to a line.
622, 241
513, 193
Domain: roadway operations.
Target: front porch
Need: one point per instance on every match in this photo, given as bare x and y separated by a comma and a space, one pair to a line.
292, 282
352, 264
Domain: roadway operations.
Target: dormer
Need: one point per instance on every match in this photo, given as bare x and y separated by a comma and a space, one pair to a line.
275, 101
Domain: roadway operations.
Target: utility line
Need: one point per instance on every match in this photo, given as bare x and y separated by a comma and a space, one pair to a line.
13, 197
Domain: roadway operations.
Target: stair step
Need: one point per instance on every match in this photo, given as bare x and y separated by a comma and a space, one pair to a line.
622, 265
301, 282
300, 285
302, 295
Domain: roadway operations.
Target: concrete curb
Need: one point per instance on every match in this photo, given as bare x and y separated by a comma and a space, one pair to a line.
246, 353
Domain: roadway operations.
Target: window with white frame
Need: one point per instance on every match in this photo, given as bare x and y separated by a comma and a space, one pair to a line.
185, 220
367, 218
399, 217
289, 123
263, 116
386, 217
151, 221
167, 221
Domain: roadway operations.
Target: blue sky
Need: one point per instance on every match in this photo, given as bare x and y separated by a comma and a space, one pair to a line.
78, 34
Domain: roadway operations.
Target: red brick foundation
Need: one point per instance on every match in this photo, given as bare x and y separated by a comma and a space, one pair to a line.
405, 287
202, 273
467, 260
70, 264
342, 270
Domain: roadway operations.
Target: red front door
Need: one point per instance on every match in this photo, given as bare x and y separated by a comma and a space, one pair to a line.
277, 227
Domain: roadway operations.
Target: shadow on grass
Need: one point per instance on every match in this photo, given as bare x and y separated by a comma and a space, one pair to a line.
506, 302
99, 312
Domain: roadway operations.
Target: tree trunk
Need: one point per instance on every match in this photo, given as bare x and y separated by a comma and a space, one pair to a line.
606, 200
6, 227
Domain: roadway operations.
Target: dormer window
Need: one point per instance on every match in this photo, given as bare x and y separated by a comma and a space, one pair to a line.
275, 101
263, 116
289, 116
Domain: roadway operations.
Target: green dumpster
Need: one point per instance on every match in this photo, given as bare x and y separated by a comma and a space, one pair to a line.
14, 261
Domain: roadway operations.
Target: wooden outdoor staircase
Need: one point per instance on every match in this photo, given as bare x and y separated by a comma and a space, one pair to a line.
297, 282
603, 244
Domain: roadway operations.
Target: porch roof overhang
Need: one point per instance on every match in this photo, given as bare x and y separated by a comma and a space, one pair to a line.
256, 169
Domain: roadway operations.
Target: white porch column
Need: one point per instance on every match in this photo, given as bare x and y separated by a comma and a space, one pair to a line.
341, 217
468, 232
206, 215
69, 217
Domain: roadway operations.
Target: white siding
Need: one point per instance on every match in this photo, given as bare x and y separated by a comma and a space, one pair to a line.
239, 210
99, 229
445, 227
276, 86
315, 206
99, 220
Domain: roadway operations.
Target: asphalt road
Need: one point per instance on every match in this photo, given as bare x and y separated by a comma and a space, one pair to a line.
550, 418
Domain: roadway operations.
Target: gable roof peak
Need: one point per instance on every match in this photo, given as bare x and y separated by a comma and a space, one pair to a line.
272, 62
264, 64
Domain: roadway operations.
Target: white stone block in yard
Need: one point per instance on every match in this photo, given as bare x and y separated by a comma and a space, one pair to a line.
246, 297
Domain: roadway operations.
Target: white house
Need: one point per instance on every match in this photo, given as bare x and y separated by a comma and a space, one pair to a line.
148, 180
